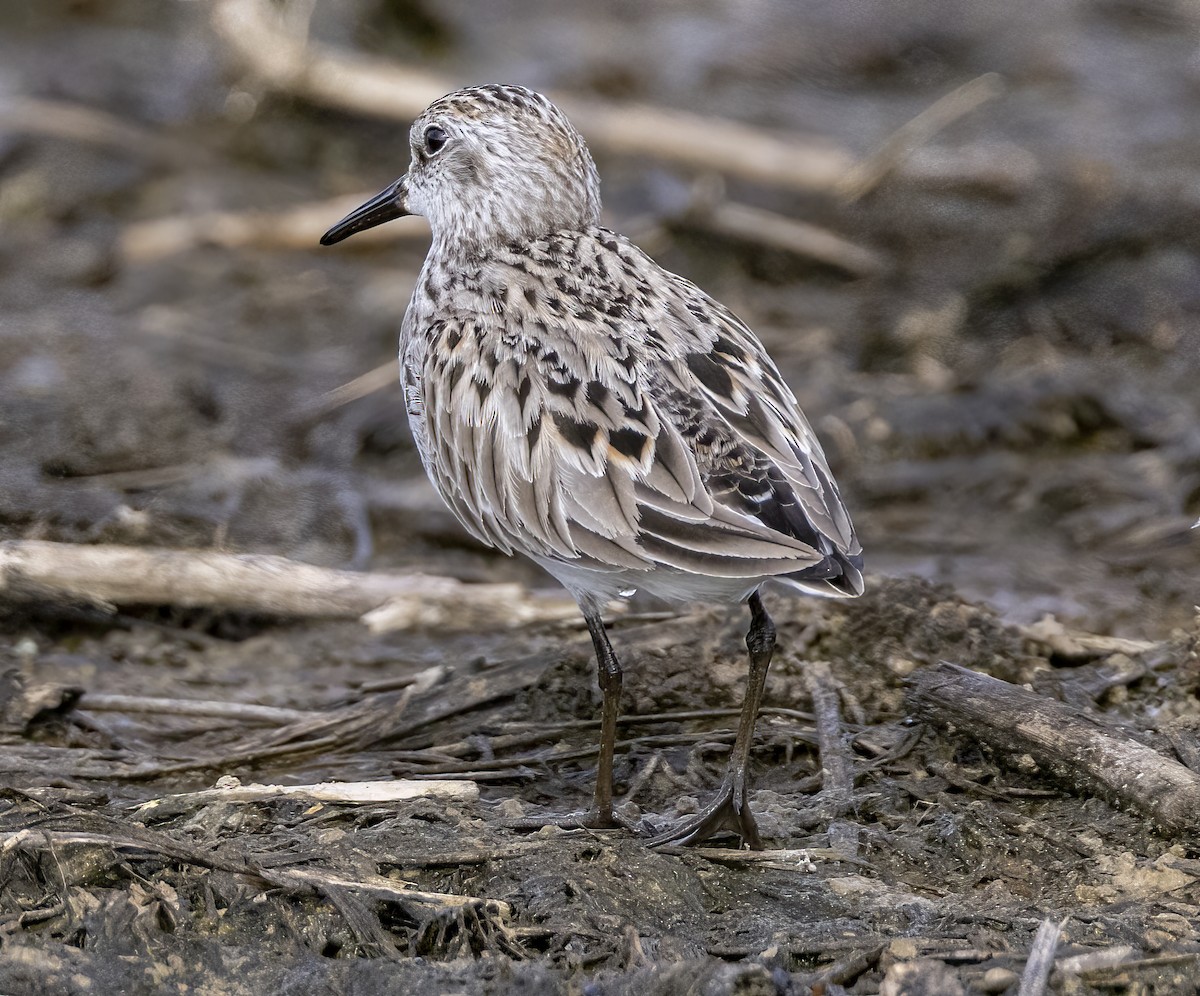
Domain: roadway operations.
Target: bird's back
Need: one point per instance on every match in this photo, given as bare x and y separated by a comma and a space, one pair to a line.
577, 403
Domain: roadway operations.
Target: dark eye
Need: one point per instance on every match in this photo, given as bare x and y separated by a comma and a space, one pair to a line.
435, 138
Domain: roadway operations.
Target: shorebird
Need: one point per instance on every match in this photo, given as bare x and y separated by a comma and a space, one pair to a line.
573, 401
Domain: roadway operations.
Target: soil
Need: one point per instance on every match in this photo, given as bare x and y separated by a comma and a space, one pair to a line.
1010, 407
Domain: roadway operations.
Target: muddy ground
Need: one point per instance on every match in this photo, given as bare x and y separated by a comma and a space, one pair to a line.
1008, 396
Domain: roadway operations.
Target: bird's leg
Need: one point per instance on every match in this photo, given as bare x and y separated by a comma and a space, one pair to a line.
608, 674
601, 815
730, 808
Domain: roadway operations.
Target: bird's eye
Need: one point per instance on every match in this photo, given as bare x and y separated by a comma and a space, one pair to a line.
435, 138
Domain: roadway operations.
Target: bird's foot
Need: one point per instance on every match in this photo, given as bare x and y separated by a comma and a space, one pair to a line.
729, 811
592, 819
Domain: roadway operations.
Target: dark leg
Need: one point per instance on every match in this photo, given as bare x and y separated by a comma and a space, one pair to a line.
730, 810
608, 673
601, 815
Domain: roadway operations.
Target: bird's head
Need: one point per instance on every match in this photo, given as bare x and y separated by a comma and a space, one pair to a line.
490, 165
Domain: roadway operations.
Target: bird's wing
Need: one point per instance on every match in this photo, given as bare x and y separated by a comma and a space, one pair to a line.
772, 467
631, 438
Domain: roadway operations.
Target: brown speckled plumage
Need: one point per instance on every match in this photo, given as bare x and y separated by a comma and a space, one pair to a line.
573, 401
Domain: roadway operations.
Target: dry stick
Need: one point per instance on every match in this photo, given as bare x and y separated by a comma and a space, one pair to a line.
1041, 959
1092, 961
795, 857
777, 231
106, 575
240, 711
423, 680
837, 791
866, 175
381, 378
1070, 744
350, 793
837, 775
1078, 645
380, 887
364, 85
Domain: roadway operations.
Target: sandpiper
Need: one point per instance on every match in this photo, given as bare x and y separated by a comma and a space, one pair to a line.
573, 401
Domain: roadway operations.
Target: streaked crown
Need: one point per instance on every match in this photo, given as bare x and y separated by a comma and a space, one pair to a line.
494, 164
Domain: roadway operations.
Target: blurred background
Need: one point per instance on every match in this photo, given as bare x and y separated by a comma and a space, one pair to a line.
968, 232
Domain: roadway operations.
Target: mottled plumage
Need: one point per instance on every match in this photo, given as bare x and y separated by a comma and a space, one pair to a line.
573, 401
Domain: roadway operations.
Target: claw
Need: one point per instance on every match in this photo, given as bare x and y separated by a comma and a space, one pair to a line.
729, 811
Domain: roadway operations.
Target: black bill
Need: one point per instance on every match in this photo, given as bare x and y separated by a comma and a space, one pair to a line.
386, 205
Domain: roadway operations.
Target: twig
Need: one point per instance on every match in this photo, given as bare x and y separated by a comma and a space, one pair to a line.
1092, 961
106, 575
422, 681
241, 711
777, 231
1041, 958
354, 793
1077, 645
866, 175
837, 788
381, 888
797, 856
1070, 744
711, 211
381, 378
364, 85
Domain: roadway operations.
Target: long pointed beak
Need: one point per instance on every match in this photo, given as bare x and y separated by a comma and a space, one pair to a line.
386, 205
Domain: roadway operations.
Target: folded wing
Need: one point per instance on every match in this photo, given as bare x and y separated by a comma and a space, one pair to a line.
659, 434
